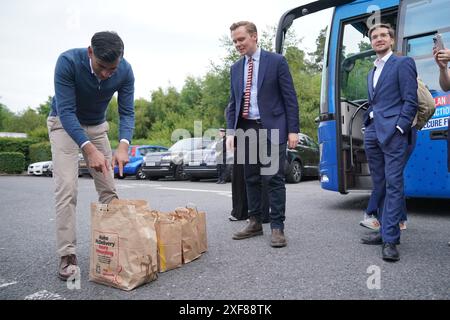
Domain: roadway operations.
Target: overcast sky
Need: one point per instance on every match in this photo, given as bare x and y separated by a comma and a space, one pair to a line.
165, 41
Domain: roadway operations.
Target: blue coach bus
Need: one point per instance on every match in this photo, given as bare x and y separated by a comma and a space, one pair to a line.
347, 60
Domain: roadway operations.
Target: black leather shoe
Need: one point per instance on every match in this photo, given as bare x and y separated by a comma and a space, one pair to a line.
390, 252
372, 239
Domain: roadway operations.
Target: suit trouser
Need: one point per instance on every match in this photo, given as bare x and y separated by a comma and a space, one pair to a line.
239, 195
372, 206
386, 164
255, 173
65, 175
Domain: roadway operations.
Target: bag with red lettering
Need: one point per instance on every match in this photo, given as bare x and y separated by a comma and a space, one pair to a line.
123, 244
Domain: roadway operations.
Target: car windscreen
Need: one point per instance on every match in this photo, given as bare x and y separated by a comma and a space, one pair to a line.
186, 145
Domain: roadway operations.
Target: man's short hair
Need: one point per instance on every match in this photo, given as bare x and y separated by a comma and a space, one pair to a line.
107, 46
382, 25
249, 26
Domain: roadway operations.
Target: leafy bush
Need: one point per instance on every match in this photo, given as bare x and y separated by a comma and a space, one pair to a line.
40, 152
21, 145
12, 162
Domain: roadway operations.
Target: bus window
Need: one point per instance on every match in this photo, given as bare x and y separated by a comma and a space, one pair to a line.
421, 50
422, 16
354, 66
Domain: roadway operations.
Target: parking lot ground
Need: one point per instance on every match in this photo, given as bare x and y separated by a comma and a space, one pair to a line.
323, 260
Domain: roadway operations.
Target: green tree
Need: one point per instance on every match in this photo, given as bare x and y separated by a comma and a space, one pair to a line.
5, 117
318, 55
44, 108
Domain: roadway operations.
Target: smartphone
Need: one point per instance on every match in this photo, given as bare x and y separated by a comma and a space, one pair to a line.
438, 43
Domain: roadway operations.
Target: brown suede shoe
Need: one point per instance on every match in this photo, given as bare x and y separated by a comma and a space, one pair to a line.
278, 239
68, 266
253, 228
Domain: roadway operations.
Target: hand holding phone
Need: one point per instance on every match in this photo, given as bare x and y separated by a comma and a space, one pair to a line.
438, 43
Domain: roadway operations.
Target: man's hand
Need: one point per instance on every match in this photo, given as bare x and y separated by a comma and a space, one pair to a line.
442, 57
96, 159
292, 140
120, 157
230, 143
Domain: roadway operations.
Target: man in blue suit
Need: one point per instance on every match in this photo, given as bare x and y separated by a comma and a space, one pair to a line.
392, 87
263, 106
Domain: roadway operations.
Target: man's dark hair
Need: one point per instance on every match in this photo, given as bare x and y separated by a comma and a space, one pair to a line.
107, 46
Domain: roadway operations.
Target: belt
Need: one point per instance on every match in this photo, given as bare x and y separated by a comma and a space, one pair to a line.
257, 121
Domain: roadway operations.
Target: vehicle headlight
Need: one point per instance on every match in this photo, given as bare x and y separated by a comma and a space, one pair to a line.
168, 158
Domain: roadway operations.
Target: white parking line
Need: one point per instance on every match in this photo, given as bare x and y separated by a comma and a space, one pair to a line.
44, 295
221, 192
7, 284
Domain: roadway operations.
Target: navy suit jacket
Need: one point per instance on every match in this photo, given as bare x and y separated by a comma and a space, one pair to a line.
277, 99
394, 99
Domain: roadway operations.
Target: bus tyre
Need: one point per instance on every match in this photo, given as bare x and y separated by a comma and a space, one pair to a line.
295, 175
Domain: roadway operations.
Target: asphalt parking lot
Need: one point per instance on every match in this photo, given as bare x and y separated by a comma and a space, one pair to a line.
323, 259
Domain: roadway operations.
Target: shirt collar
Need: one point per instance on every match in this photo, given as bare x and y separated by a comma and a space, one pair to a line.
255, 56
380, 62
90, 64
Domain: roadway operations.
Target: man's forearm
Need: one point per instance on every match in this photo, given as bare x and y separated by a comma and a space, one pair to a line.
444, 78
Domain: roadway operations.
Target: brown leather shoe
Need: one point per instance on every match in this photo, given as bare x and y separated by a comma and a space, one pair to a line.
278, 239
253, 228
68, 266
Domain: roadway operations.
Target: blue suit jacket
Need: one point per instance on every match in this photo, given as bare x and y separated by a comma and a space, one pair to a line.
394, 99
277, 99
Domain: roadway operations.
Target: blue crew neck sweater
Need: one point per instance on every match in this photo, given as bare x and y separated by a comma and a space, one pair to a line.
81, 99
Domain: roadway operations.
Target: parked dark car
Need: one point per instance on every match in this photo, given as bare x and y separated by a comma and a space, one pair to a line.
136, 155
170, 163
202, 164
301, 162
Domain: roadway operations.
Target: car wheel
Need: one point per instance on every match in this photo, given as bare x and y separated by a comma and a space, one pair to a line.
140, 174
295, 175
180, 174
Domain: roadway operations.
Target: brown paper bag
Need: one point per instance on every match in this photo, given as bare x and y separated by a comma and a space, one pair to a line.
168, 232
189, 234
201, 229
123, 246
139, 204
201, 226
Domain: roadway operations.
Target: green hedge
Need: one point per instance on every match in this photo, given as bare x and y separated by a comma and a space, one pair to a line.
40, 152
12, 162
21, 145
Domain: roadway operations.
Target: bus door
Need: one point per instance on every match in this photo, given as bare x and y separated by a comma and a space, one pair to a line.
343, 165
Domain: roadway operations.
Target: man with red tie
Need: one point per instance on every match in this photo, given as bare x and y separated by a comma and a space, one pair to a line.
263, 116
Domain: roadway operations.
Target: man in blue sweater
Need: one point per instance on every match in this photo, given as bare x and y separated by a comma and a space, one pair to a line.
85, 81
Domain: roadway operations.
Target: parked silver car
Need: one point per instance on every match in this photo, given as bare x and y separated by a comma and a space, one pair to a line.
170, 163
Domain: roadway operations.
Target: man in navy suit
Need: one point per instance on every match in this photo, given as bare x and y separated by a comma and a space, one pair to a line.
392, 87
263, 106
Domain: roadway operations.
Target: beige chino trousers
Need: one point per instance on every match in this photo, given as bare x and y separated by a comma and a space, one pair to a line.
65, 175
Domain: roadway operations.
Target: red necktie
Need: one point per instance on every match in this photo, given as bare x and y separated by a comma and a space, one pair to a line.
248, 89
